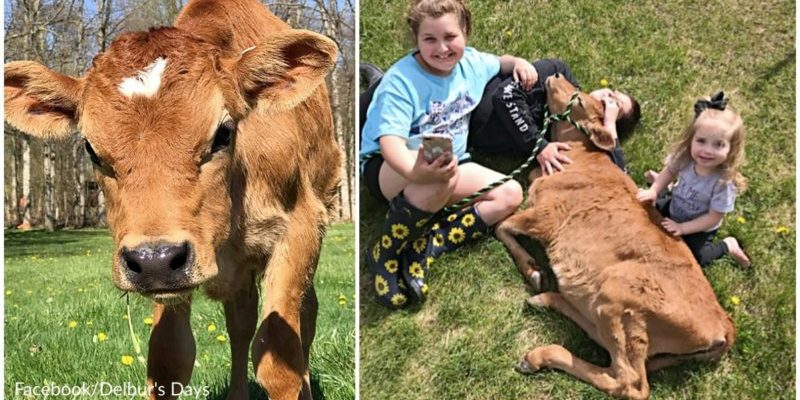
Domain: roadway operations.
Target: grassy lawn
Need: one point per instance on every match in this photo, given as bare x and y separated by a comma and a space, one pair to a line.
59, 297
463, 343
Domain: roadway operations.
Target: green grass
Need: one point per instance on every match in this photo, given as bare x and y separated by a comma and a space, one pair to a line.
54, 278
464, 341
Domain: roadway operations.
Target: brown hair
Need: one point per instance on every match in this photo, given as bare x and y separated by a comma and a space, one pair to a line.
680, 154
627, 121
420, 9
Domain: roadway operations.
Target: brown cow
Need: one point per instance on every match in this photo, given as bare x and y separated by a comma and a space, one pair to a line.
213, 141
636, 290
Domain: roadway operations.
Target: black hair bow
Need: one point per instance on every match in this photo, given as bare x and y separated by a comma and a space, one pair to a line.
718, 101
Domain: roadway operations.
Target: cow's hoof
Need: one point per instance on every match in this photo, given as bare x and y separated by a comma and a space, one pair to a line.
536, 302
535, 280
524, 368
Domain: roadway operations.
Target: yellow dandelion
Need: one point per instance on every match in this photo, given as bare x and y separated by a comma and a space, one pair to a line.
212, 327
399, 299
603, 82
735, 300
435, 227
415, 269
438, 240
456, 235
342, 300
221, 338
148, 321
430, 261
509, 34
451, 217
381, 285
468, 220
376, 252
400, 231
419, 245
424, 289
72, 324
421, 223
741, 220
781, 230
127, 360
386, 241
391, 266
101, 336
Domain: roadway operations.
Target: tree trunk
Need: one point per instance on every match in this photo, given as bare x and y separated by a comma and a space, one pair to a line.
24, 202
49, 197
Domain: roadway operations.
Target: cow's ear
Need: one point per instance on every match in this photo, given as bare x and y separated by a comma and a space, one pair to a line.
286, 69
39, 101
601, 137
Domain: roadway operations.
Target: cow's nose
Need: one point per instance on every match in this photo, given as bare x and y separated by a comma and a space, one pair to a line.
157, 259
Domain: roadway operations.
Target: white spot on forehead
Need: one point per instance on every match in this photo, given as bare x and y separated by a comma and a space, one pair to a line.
146, 82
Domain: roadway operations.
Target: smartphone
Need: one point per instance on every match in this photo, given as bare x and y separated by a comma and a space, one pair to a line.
434, 145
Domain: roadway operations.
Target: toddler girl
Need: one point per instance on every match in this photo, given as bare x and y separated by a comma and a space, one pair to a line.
706, 159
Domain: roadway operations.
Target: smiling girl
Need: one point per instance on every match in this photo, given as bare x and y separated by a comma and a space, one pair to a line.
706, 159
432, 90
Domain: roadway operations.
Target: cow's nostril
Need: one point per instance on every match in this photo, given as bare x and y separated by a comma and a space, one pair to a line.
557, 75
179, 256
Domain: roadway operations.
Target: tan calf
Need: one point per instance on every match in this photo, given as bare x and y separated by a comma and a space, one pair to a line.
636, 290
213, 141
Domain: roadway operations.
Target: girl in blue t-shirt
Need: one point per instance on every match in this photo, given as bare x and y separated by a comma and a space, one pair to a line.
431, 90
706, 159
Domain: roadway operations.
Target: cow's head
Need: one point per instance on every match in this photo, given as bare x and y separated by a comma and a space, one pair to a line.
585, 110
159, 112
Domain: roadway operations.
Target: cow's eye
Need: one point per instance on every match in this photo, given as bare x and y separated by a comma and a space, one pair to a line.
92, 155
222, 139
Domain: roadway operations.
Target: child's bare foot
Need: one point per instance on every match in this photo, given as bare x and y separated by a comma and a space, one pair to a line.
736, 251
650, 176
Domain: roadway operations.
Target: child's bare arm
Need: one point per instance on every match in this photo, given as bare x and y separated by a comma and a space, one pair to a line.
524, 72
699, 224
412, 165
664, 178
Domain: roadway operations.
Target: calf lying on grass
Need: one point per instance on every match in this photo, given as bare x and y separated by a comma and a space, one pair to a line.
634, 289
213, 141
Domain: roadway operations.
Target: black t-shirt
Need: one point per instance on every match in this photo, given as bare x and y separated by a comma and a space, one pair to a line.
508, 120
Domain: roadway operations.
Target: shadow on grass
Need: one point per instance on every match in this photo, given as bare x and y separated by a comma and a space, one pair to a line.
256, 393
58, 243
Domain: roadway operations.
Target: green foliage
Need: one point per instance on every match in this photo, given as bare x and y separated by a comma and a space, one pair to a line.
52, 279
464, 342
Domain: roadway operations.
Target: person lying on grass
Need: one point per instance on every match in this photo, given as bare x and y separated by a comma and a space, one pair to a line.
706, 159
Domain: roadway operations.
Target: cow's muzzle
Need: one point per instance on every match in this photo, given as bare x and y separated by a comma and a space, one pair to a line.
159, 267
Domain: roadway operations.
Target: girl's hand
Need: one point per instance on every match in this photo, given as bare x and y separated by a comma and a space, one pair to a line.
647, 195
525, 73
442, 169
674, 228
611, 110
550, 158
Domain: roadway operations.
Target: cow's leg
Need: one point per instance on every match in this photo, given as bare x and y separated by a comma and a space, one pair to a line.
627, 345
506, 232
171, 353
241, 316
278, 354
308, 328
557, 302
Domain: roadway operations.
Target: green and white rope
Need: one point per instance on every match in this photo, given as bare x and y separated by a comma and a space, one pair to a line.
549, 118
